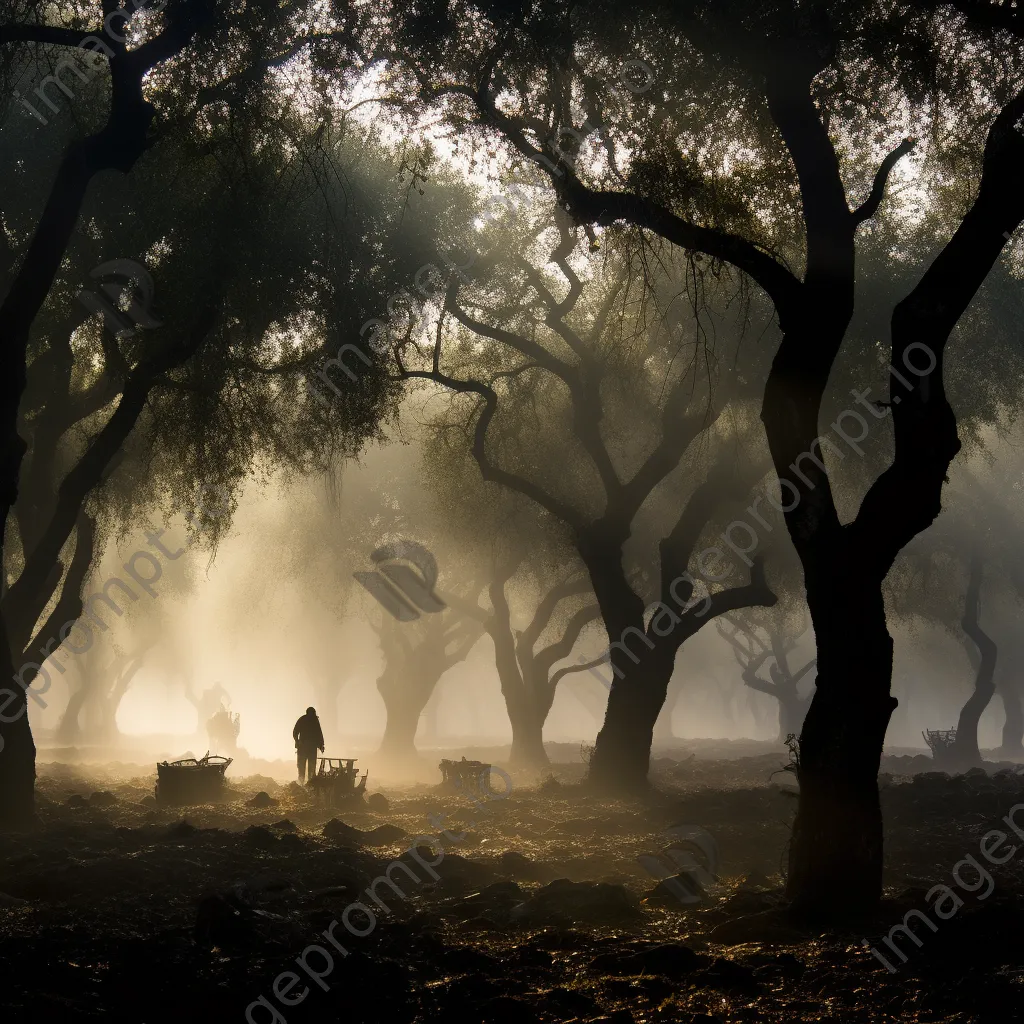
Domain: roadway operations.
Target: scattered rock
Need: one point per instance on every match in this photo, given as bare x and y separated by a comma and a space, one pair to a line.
680, 891
378, 802
591, 902
257, 835
768, 926
513, 863
745, 902
383, 834
930, 778
493, 904
261, 800
337, 830
380, 836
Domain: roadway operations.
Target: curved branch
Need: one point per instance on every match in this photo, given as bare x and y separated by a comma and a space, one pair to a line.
757, 683
756, 593
906, 498
557, 675
25, 599
596, 206
562, 648
69, 604
542, 616
489, 471
801, 672
525, 346
869, 207
676, 549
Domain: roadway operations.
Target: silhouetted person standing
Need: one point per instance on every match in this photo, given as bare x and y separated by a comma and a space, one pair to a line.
309, 738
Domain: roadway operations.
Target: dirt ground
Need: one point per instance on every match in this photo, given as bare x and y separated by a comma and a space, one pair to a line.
531, 907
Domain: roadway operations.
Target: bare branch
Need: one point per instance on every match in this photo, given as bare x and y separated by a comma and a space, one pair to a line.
869, 207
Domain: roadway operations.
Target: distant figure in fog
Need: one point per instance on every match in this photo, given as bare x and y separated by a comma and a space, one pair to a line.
309, 738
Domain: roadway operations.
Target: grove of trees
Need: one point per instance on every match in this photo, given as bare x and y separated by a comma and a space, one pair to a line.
616, 316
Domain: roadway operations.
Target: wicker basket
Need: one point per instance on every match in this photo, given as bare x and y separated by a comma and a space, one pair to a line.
191, 781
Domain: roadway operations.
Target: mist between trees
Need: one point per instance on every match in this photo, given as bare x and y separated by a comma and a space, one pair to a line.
668, 317
31, 670
429, 293
751, 538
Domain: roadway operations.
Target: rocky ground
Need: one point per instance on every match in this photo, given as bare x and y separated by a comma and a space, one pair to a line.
528, 907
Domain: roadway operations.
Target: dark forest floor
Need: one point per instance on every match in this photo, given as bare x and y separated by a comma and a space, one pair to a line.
137, 913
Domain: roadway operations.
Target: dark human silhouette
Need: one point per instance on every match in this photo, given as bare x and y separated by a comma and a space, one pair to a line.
309, 738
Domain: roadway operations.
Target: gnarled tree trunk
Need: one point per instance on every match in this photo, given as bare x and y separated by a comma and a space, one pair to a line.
527, 739
837, 835
116, 146
70, 728
416, 655
1008, 688
404, 702
966, 753
621, 759
526, 672
792, 712
663, 733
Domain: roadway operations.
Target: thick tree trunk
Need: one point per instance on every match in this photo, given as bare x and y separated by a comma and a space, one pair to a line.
966, 752
405, 693
17, 752
399, 739
835, 857
792, 711
527, 740
70, 728
622, 752
663, 734
1013, 725
430, 717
